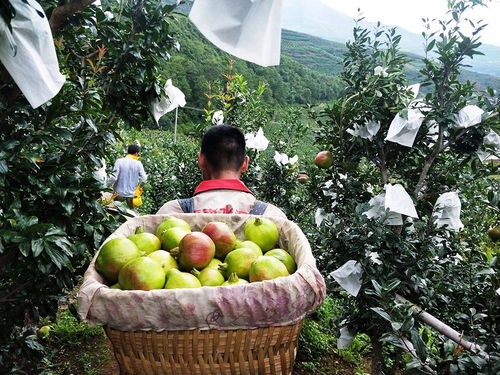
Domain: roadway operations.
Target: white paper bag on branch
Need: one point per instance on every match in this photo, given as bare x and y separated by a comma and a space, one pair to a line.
492, 140
349, 277
398, 200
34, 66
247, 29
366, 131
404, 130
447, 211
468, 116
345, 339
172, 98
377, 210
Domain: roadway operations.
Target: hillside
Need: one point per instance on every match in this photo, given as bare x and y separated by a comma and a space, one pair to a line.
326, 57
316, 18
199, 62
308, 74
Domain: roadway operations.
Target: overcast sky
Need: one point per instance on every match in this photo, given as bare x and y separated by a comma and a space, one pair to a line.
408, 14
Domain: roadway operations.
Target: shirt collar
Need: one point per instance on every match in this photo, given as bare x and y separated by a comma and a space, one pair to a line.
225, 184
136, 157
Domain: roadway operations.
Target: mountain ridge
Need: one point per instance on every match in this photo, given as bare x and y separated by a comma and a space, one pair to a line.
320, 20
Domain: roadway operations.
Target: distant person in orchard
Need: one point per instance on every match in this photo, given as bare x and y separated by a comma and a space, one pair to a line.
128, 173
222, 160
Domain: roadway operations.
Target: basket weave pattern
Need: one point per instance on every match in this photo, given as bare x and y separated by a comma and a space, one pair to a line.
262, 351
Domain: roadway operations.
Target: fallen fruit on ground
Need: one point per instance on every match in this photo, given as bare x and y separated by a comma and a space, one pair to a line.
262, 231
284, 258
171, 222
238, 261
267, 268
142, 274
234, 280
44, 332
113, 255
209, 276
222, 236
196, 250
164, 258
146, 242
180, 280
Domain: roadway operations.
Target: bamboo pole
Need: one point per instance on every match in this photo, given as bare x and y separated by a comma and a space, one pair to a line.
175, 126
445, 329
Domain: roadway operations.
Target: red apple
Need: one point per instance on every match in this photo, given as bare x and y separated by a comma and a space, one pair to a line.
302, 178
223, 237
196, 250
324, 159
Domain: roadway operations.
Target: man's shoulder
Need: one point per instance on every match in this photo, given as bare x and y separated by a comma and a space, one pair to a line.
171, 207
274, 211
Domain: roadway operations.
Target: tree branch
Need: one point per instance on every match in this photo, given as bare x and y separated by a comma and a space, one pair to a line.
429, 161
383, 165
440, 147
61, 13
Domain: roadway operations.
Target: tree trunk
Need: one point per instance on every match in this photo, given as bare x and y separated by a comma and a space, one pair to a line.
377, 357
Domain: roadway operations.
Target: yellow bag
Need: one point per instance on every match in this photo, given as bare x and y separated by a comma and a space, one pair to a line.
137, 200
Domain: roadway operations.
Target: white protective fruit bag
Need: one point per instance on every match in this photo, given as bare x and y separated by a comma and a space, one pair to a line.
279, 302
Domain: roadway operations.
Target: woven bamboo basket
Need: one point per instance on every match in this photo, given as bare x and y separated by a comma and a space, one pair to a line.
262, 351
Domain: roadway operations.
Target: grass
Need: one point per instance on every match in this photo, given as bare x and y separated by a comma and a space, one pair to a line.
317, 345
75, 348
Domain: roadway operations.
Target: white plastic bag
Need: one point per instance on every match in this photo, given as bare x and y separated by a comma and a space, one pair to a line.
34, 67
247, 29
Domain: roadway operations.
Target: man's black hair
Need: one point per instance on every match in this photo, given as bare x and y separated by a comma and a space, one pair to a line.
133, 149
223, 147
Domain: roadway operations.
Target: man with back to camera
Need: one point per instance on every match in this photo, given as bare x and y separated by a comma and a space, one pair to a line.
222, 160
127, 173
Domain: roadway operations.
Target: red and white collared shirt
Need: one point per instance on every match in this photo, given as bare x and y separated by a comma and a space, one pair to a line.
221, 196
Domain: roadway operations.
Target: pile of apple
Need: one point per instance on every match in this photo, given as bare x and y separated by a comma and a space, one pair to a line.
176, 257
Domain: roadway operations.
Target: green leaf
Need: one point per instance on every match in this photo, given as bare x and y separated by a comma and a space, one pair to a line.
24, 248
419, 345
37, 246
57, 257
431, 44
4, 168
377, 287
396, 326
382, 313
393, 285
12, 236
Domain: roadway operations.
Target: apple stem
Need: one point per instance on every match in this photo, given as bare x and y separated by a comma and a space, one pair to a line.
195, 272
233, 278
139, 230
222, 267
174, 251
